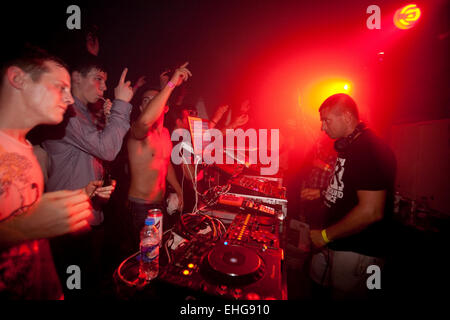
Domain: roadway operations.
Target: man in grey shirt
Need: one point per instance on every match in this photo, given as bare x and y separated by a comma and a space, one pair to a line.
76, 159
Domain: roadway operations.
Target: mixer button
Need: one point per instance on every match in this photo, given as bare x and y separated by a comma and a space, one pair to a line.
237, 293
222, 289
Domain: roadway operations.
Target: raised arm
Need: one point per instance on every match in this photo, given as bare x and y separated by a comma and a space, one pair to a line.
218, 115
139, 83
105, 144
153, 110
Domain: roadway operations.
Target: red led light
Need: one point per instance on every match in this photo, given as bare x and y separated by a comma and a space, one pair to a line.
253, 296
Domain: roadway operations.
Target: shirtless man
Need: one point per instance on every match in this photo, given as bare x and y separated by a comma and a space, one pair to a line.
149, 150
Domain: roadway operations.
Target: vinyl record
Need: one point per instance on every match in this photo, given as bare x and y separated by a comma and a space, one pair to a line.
233, 265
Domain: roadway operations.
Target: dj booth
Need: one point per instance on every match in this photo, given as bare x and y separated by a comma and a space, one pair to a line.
231, 247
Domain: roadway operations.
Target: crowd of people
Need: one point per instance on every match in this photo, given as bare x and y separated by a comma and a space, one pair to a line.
104, 163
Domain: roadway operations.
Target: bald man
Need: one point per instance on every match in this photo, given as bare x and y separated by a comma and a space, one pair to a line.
360, 200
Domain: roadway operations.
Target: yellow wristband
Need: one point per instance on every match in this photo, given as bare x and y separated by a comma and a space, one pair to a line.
324, 236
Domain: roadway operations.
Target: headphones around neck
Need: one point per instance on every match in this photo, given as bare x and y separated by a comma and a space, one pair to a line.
342, 144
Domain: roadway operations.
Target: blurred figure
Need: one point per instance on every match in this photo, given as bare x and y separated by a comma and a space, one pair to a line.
92, 41
323, 158
230, 121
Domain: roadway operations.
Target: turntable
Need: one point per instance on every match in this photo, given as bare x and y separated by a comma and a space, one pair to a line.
232, 265
244, 264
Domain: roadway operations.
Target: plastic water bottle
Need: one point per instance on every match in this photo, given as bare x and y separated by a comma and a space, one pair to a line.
149, 249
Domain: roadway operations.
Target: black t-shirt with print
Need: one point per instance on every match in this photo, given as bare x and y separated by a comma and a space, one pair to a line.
367, 164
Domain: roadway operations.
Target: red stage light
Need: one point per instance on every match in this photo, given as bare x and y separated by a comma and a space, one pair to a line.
406, 17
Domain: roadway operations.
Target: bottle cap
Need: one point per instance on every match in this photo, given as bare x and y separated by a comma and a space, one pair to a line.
149, 222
